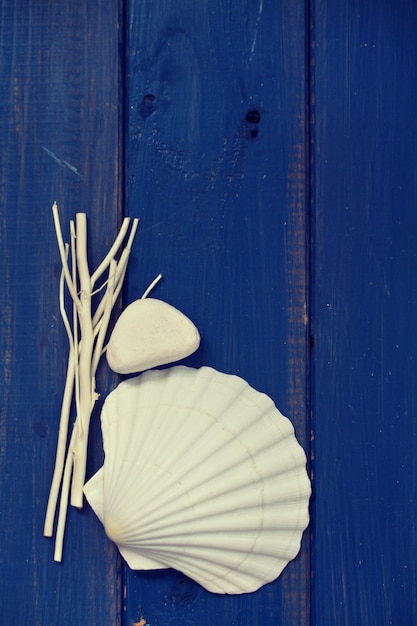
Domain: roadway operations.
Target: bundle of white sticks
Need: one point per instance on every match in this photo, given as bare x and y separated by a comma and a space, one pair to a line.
86, 336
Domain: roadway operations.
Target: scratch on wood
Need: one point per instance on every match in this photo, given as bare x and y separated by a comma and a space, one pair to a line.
255, 36
62, 162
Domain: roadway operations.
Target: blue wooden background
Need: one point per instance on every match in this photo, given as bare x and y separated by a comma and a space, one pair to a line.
270, 149
364, 290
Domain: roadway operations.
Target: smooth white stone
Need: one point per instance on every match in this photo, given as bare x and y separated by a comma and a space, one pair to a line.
149, 333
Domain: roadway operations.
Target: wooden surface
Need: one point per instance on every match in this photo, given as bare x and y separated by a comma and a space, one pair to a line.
269, 149
223, 217
363, 313
60, 139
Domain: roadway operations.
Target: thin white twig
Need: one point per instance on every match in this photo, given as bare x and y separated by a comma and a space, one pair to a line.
85, 358
75, 320
65, 413
112, 252
63, 505
108, 299
61, 248
151, 286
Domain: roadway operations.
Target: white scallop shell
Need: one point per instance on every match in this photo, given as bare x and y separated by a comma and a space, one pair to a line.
202, 474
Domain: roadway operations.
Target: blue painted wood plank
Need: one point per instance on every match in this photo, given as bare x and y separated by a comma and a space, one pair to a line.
216, 170
364, 302
60, 130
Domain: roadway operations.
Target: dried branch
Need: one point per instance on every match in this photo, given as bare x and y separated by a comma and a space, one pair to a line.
86, 341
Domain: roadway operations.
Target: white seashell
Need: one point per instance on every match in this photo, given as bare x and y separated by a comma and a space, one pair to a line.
149, 333
202, 474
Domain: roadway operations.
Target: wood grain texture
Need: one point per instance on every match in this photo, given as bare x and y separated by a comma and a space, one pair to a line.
216, 99
60, 130
222, 199
364, 376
